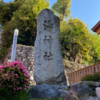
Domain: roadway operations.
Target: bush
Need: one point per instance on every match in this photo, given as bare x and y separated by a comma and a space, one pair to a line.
87, 78
21, 95
2, 52
13, 78
95, 77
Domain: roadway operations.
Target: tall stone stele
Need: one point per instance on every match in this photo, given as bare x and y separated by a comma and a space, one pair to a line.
48, 64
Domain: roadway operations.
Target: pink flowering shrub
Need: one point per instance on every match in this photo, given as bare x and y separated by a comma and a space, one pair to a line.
13, 77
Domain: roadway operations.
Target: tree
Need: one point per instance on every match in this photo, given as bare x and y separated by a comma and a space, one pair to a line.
74, 38
24, 19
7, 9
95, 51
62, 8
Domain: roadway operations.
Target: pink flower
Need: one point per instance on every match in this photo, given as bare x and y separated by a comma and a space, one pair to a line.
6, 74
20, 88
28, 76
4, 78
14, 89
27, 87
10, 86
3, 86
18, 60
27, 80
5, 62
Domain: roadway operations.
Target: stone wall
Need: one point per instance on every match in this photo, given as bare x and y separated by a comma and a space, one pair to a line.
25, 54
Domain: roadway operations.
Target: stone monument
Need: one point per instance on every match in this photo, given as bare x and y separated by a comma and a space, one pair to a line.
48, 64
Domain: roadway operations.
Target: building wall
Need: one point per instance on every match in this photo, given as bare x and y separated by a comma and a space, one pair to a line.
98, 30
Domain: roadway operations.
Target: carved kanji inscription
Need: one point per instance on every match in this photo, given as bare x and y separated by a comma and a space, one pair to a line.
48, 25
48, 56
40, 48
48, 41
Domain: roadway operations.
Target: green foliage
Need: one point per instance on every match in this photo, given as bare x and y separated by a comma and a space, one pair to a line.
87, 78
47, 99
95, 77
2, 52
24, 19
95, 47
76, 39
7, 9
73, 36
24, 95
62, 8
20, 95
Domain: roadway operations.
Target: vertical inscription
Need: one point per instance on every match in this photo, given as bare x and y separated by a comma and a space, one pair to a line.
45, 39
39, 48
48, 41
48, 56
48, 25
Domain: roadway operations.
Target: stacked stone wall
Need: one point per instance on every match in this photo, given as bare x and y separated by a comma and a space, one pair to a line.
25, 54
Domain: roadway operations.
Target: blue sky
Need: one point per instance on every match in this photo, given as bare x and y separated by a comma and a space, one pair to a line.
87, 10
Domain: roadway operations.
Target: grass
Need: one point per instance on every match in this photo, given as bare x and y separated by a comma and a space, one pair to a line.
23, 95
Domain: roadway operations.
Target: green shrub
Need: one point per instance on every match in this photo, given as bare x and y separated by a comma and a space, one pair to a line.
13, 78
95, 77
2, 52
20, 95
87, 78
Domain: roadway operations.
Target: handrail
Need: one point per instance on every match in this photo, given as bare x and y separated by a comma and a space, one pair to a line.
75, 76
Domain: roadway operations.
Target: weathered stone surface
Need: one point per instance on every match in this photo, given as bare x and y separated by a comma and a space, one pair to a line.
48, 64
95, 84
92, 98
98, 92
44, 91
81, 90
70, 97
63, 92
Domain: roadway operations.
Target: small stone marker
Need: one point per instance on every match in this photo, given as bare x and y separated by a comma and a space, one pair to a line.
48, 64
14, 45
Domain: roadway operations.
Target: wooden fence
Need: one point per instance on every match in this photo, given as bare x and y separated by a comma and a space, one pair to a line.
76, 76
